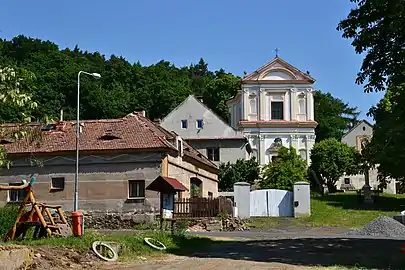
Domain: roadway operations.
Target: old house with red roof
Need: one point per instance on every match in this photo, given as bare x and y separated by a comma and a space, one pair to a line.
119, 158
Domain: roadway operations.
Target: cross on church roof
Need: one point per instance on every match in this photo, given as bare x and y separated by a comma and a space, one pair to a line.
276, 50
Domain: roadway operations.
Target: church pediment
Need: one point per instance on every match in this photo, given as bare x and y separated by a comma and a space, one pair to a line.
279, 71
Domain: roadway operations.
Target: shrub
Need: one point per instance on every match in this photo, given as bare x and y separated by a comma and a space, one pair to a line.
8, 214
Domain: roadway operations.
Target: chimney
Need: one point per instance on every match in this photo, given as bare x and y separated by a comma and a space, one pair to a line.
157, 121
141, 112
61, 115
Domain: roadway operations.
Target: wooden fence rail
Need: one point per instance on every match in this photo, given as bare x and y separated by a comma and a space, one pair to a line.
201, 207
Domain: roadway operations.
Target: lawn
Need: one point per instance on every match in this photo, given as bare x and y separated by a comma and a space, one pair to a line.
340, 210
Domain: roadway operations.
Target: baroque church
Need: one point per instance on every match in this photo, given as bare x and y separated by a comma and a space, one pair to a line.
274, 108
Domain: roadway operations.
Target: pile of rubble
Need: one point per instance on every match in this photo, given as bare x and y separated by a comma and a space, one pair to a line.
212, 225
234, 224
381, 227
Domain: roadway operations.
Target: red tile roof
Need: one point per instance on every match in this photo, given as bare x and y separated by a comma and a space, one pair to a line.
133, 131
175, 183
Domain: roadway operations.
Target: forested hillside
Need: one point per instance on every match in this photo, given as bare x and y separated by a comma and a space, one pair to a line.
50, 74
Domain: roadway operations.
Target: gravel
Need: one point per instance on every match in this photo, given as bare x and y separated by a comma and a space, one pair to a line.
381, 226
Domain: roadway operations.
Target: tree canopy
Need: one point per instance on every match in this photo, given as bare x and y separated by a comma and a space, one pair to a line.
287, 169
331, 159
377, 29
333, 115
125, 87
240, 171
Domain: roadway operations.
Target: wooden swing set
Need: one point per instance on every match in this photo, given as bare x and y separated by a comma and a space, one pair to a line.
38, 216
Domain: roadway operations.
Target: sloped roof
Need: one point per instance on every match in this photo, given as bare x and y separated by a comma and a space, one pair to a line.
358, 124
238, 135
133, 131
277, 63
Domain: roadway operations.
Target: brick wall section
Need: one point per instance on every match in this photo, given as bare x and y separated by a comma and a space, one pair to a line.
183, 171
103, 181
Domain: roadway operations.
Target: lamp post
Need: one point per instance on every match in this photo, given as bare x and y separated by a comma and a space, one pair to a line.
76, 183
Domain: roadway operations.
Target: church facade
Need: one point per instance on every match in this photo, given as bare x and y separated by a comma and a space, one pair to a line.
274, 108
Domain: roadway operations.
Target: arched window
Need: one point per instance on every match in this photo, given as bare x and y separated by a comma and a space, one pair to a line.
195, 187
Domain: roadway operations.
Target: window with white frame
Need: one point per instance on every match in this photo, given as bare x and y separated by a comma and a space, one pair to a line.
136, 189
17, 195
199, 124
213, 153
58, 183
184, 124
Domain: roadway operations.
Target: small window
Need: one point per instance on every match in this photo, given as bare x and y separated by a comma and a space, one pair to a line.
277, 110
200, 123
274, 158
136, 189
347, 181
16, 195
364, 128
210, 195
58, 183
213, 153
184, 124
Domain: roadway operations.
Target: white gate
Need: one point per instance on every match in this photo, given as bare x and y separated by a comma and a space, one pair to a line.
271, 203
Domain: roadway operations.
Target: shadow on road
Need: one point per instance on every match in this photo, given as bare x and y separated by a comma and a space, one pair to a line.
362, 253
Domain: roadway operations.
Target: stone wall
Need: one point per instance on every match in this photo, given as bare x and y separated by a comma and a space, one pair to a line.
116, 220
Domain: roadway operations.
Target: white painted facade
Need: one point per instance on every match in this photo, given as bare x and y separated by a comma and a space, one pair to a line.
276, 102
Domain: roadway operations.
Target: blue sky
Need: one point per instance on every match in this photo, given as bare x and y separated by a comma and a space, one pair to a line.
235, 35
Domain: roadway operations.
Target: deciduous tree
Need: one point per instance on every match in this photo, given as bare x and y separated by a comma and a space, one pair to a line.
331, 159
285, 170
240, 171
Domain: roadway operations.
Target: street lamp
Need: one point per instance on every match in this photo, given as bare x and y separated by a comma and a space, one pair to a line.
76, 183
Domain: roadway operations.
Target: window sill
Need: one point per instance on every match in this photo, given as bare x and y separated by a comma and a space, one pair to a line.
56, 189
135, 198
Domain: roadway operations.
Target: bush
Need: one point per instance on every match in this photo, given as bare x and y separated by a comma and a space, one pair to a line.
284, 171
8, 215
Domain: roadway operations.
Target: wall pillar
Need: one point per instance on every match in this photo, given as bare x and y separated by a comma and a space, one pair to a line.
245, 104
262, 152
302, 199
241, 193
293, 104
262, 100
310, 104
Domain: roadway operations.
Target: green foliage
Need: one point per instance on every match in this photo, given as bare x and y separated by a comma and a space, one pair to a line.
240, 171
387, 144
285, 170
377, 28
334, 117
123, 88
8, 216
331, 159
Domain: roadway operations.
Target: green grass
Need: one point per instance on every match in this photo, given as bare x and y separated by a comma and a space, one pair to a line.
132, 244
340, 210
